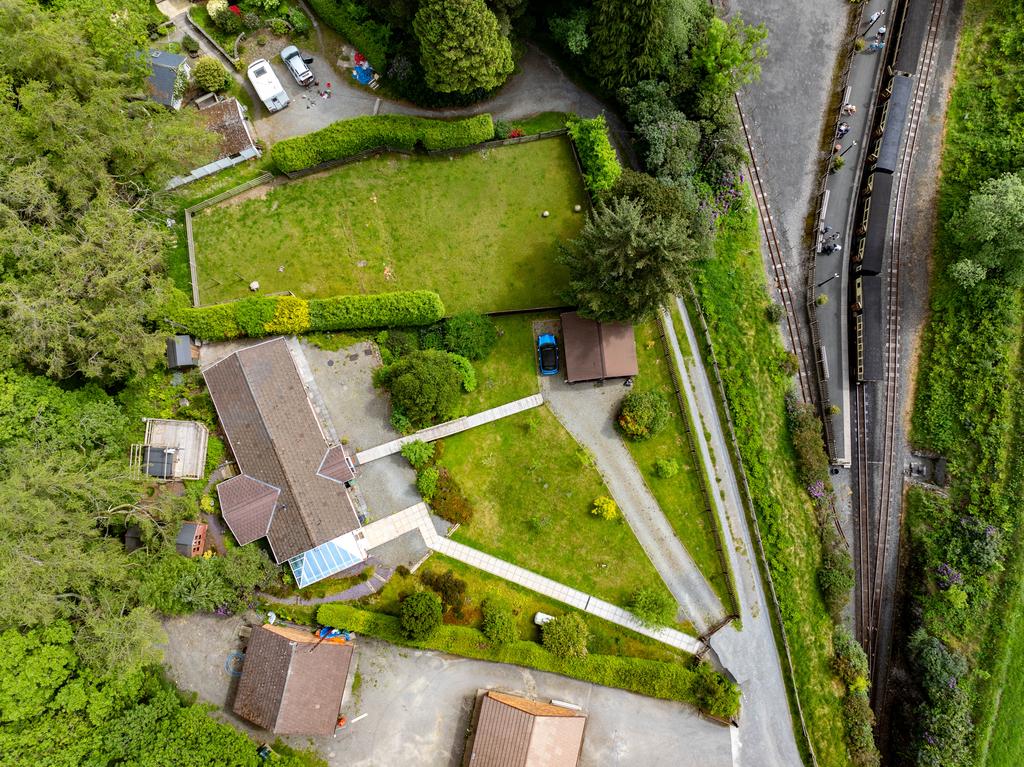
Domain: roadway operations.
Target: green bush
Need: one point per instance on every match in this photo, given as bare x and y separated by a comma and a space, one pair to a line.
566, 636
210, 75
449, 502
499, 625
470, 334
450, 587
666, 468
643, 414
849, 660
654, 607
266, 315
466, 372
301, 25
418, 453
835, 576
601, 167
424, 387
420, 615
189, 44
349, 137
426, 482
670, 681
605, 508
352, 21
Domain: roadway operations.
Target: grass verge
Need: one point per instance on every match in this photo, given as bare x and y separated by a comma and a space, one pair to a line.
509, 372
396, 222
734, 298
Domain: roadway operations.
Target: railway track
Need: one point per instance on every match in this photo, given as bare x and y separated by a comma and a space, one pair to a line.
873, 537
805, 359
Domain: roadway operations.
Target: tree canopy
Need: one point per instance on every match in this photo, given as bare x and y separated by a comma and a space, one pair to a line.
623, 263
990, 233
461, 47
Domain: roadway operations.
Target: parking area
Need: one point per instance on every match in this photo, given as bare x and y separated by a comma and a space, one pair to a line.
417, 705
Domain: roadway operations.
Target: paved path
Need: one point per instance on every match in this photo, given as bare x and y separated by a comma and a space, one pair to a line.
449, 428
766, 736
587, 412
418, 517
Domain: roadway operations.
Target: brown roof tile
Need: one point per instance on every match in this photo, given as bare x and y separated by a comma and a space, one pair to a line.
596, 350
336, 465
276, 438
247, 506
225, 119
518, 732
287, 686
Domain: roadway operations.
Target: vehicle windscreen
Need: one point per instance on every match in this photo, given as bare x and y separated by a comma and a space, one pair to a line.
548, 357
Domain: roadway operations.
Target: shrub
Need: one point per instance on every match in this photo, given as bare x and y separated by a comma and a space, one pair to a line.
805, 429
450, 587
279, 27
449, 502
605, 508
849, 660
352, 21
773, 313
860, 722
654, 607
835, 577
251, 316
210, 74
418, 453
499, 625
466, 371
666, 468
470, 334
643, 414
600, 165
189, 44
566, 636
420, 615
349, 137
226, 20
502, 129
424, 386
250, 20
426, 482
301, 25
714, 694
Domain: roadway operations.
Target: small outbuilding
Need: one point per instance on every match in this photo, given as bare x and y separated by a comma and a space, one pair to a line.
191, 540
171, 450
293, 682
181, 352
510, 730
595, 350
168, 78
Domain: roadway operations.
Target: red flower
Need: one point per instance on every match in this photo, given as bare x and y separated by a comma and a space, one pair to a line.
515, 133
235, 9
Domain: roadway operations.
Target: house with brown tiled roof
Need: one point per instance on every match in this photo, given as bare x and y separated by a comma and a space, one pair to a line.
292, 487
510, 731
292, 683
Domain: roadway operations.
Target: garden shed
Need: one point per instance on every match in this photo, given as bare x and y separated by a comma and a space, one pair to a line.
191, 540
171, 450
508, 729
169, 73
595, 350
292, 682
181, 352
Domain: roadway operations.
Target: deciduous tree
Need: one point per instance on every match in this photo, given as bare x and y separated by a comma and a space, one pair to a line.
990, 233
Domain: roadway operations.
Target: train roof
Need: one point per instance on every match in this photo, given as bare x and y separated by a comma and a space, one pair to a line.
872, 327
899, 105
878, 223
916, 19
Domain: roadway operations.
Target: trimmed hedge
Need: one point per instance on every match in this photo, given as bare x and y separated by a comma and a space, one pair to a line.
350, 137
601, 167
702, 686
271, 315
352, 22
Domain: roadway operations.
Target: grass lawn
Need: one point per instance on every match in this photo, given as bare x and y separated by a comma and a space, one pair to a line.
468, 227
606, 638
532, 487
510, 371
680, 496
749, 349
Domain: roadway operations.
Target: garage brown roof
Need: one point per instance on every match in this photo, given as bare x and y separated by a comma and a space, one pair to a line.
276, 439
290, 688
517, 732
597, 350
225, 119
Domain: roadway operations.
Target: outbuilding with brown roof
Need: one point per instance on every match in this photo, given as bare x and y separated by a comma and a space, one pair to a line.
597, 350
510, 731
292, 683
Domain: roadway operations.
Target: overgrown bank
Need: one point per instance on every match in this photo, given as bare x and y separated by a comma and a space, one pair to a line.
956, 690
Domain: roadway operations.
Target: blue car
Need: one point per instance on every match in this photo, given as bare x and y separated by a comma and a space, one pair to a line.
547, 354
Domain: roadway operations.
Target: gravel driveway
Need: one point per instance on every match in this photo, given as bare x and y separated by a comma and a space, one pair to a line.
418, 705
587, 411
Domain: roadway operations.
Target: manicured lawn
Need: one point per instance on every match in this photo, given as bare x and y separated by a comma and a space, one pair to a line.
680, 496
468, 227
749, 349
606, 638
510, 371
532, 487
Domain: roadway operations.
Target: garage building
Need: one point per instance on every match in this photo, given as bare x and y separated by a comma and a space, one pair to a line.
597, 350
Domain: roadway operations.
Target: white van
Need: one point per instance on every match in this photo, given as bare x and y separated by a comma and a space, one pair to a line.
267, 86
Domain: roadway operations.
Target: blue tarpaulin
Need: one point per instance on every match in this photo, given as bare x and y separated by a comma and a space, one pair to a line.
363, 74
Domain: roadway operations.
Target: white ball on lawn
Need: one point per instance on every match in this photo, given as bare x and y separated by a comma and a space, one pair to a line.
254, 286
545, 214
577, 207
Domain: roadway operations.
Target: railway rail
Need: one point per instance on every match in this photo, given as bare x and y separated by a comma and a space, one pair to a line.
874, 612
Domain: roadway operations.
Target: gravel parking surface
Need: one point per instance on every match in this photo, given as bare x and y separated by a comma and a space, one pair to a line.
587, 412
418, 705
